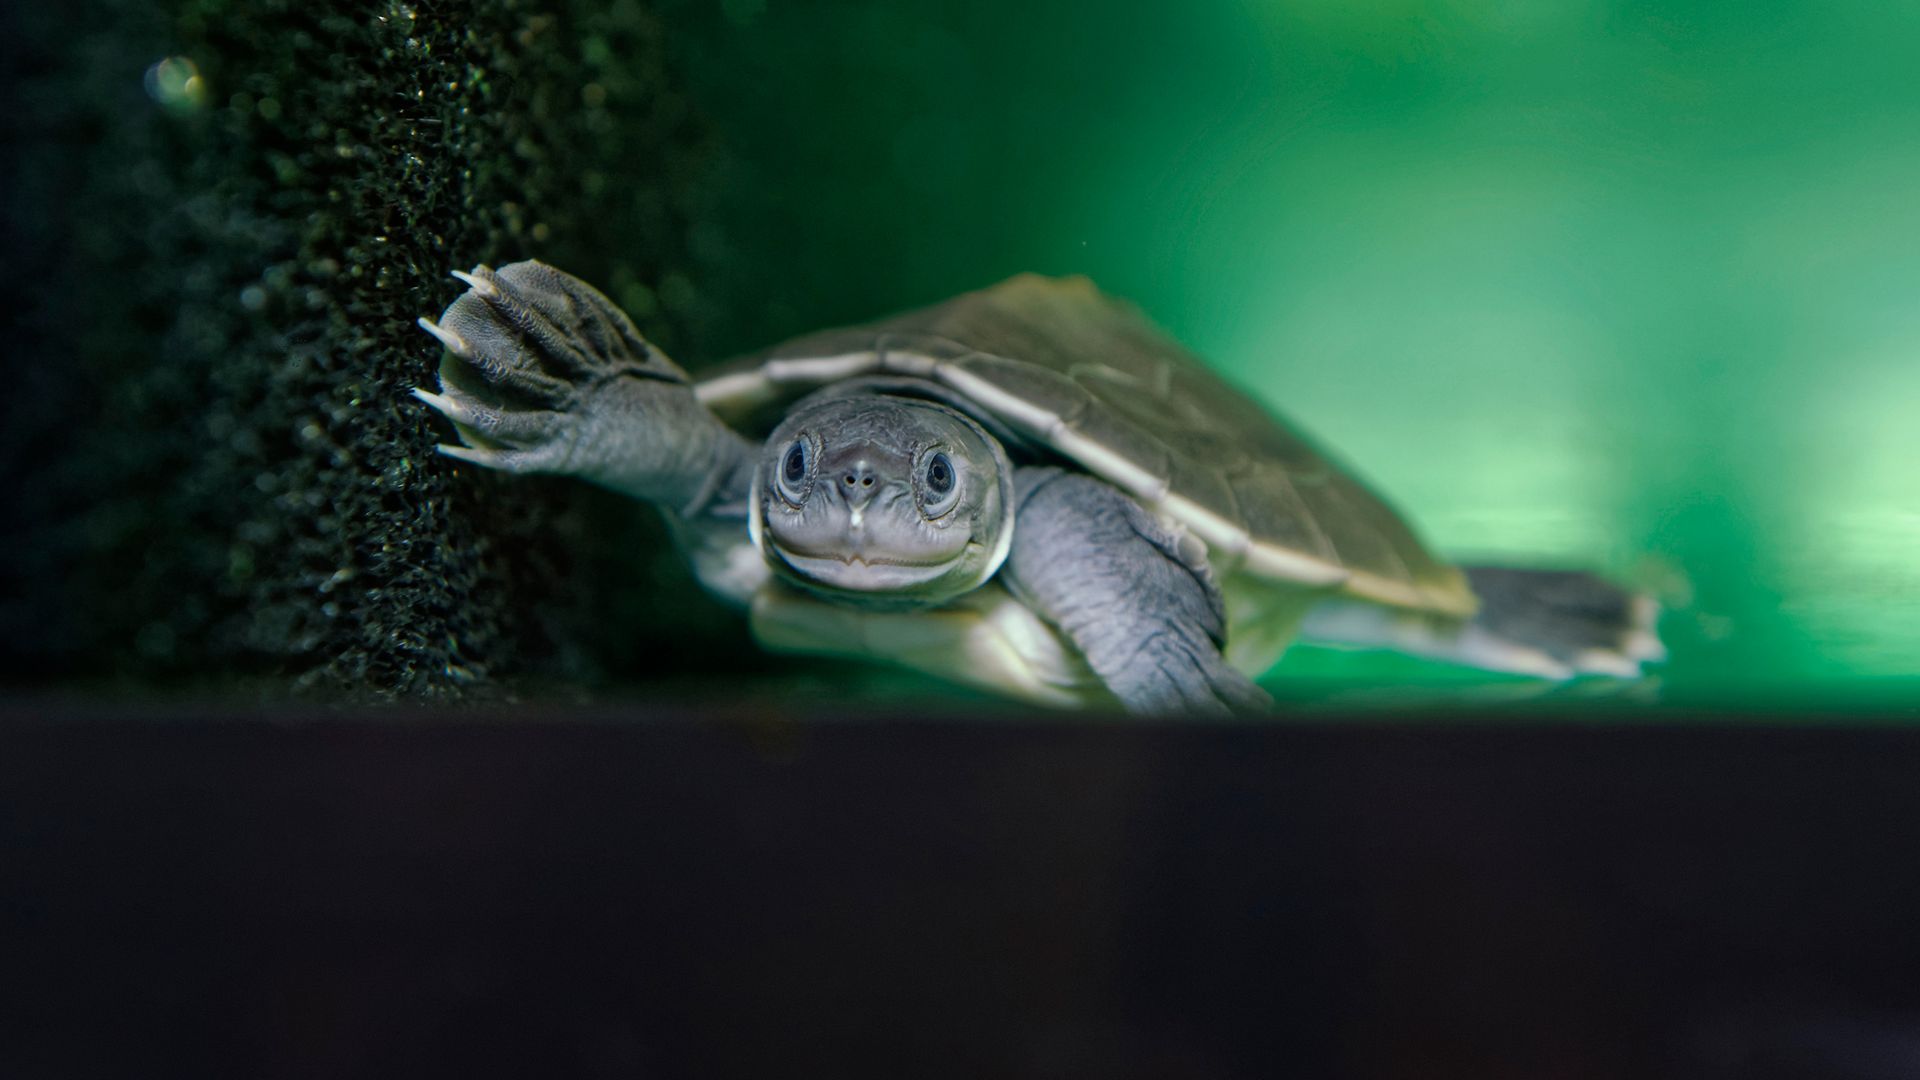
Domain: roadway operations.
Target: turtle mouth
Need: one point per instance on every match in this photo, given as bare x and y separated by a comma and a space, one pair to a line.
869, 572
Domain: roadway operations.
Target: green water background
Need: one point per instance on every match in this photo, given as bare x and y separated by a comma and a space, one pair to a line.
1624, 286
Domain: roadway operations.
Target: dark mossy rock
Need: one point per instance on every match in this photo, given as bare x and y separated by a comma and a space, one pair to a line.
215, 478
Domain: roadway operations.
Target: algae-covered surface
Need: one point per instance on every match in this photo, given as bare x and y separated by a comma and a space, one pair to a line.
1622, 286
229, 216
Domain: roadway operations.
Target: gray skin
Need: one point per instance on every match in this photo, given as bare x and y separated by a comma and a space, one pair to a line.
1137, 599
550, 378
879, 500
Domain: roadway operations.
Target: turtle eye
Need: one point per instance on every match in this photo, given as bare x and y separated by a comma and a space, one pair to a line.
939, 485
939, 475
793, 472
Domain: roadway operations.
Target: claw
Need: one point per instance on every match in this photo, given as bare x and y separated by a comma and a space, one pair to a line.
478, 284
1606, 662
1643, 640
455, 344
467, 453
446, 405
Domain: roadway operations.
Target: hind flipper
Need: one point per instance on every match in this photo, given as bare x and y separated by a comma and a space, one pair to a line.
1552, 624
1581, 620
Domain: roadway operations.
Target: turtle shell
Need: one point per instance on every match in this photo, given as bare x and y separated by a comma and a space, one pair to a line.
1058, 364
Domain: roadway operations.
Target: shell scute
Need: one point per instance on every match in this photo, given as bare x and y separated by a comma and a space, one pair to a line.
1068, 367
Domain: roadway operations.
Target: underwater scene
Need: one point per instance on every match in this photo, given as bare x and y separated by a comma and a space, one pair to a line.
1626, 288
485, 482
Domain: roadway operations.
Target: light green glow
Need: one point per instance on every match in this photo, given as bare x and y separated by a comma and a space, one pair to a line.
1634, 287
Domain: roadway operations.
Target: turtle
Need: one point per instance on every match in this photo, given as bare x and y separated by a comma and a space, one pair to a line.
1029, 489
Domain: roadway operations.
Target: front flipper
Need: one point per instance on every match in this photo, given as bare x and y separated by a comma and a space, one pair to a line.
551, 377
1135, 598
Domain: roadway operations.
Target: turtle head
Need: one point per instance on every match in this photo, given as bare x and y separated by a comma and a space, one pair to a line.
887, 500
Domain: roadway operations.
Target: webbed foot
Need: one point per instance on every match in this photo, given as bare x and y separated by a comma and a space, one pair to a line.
546, 375
1137, 600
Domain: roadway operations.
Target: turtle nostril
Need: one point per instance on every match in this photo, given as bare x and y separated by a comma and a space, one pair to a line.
868, 482
849, 479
